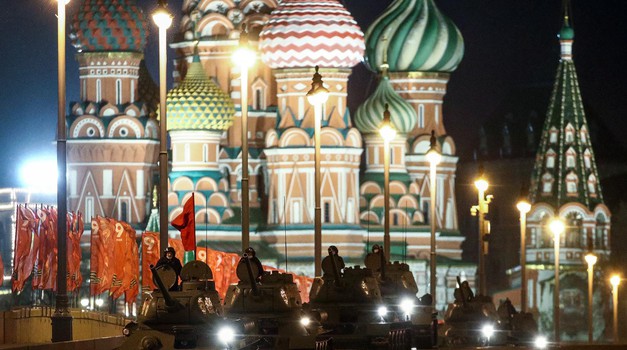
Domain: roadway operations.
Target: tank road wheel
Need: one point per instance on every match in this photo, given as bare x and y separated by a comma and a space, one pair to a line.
400, 339
324, 344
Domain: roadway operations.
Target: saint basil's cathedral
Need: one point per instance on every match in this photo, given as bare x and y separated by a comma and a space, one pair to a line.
412, 47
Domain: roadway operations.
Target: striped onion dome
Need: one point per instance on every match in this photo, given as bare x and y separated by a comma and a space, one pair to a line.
306, 33
109, 25
369, 115
416, 36
198, 103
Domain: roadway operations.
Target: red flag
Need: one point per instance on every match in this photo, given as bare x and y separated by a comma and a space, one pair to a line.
131, 273
186, 224
74, 233
151, 253
101, 254
120, 246
23, 260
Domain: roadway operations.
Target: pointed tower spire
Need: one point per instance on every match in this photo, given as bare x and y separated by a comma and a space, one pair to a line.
565, 169
566, 34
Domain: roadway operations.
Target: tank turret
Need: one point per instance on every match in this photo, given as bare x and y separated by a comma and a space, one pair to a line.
269, 308
177, 319
350, 308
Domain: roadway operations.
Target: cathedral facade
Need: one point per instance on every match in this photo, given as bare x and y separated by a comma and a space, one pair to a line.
412, 48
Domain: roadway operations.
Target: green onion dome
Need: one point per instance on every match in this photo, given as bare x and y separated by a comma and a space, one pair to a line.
415, 36
109, 25
567, 32
198, 103
369, 115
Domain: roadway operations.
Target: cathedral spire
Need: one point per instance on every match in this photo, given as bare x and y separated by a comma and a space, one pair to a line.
565, 169
566, 34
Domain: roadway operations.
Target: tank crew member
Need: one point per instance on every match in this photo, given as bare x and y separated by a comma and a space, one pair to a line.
255, 262
169, 259
328, 264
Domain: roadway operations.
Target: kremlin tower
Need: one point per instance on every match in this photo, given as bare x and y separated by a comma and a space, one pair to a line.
564, 184
112, 139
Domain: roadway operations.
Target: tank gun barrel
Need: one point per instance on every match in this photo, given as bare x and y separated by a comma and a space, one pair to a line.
251, 276
172, 305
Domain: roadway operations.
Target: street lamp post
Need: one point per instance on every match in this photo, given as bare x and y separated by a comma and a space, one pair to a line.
481, 209
244, 58
434, 158
61, 319
163, 20
523, 207
388, 133
591, 259
615, 281
557, 227
317, 96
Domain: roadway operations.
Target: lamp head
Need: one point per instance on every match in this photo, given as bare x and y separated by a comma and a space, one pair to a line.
615, 280
387, 130
481, 184
161, 17
557, 226
244, 57
591, 259
318, 93
523, 206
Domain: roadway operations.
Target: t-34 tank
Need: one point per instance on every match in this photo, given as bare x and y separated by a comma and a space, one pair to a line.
398, 291
268, 307
183, 319
352, 312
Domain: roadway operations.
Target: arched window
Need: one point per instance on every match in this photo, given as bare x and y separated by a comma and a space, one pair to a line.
570, 158
257, 99
553, 135
550, 159
547, 183
599, 233
574, 230
327, 212
426, 212
421, 115
583, 134
132, 91
301, 108
187, 152
98, 90
587, 158
395, 220
569, 133
118, 92
592, 185
571, 184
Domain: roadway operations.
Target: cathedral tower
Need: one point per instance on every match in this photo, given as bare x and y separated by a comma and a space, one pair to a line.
298, 36
112, 139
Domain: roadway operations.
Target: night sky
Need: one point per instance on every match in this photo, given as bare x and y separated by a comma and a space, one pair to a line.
508, 44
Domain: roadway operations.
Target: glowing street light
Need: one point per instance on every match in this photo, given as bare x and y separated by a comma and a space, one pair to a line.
317, 96
523, 207
163, 20
61, 319
591, 259
615, 281
434, 157
557, 227
388, 133
481, 209
244, 59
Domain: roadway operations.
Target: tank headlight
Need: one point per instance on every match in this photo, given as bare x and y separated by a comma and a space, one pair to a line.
407, 306
126, 332
487, 331
540, 342
382, 311
305, 321
226, 335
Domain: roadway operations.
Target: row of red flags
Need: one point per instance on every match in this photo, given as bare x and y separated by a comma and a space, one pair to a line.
114, 254
36, 248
